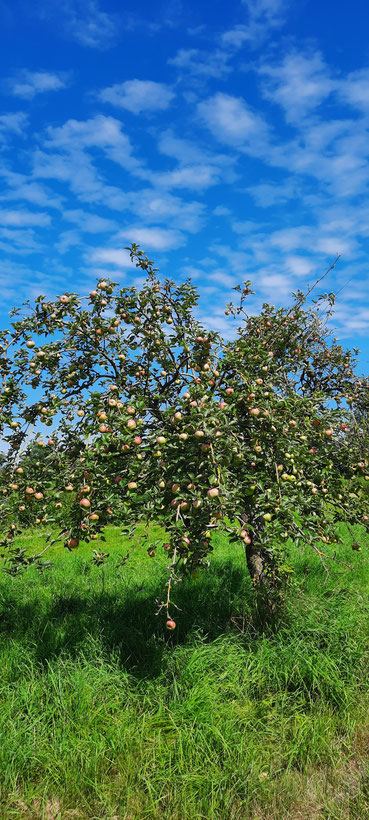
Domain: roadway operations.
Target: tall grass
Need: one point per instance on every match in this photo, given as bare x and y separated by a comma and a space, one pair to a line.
105, 715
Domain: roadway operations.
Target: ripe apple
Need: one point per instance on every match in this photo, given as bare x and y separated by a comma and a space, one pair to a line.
85, 503
183, 436
175, 488
170, 624
73, 542
213, 492
328, 432
254, 411
197, 503
131, 424
161, 439
39, 496
199, 433
137, 440
131, 411
132, 485
94, 517
29, 490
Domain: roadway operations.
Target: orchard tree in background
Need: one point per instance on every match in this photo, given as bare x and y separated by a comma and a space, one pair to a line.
148, 417
293, 394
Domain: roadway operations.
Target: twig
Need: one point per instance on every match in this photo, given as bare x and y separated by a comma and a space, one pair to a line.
279, 486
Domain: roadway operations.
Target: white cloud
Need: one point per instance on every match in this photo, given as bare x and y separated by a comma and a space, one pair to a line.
21, 187
272, 10
232, 121
29, 83
98, 132
194, 177
354, 89
299, 265
89, 223
268, 194
276, 286
19, 241
221, 277
22, 219
69, 159
67, 240
202, 63
299, 84
138, 96
263, 17
109, 256
15, 123
85, 22
154, 238
161, 206
235, 38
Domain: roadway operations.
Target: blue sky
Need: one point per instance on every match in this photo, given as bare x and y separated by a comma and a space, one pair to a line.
230, 140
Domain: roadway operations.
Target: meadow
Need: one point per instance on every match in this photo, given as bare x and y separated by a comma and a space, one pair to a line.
106, 715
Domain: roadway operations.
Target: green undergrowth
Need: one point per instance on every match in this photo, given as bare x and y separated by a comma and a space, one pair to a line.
104, 714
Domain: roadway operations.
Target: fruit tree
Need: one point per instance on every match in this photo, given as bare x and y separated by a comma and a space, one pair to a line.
120, 406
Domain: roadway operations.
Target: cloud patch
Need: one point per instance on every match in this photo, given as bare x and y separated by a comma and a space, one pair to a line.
29, 83
138, 96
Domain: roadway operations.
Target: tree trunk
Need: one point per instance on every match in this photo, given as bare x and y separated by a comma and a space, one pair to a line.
266, 580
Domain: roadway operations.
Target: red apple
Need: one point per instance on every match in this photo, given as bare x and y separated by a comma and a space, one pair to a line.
213, 492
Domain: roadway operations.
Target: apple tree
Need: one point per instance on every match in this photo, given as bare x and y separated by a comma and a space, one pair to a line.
120, 406
291, 388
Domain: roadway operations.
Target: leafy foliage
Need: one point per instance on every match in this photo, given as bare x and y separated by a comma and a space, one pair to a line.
155, 419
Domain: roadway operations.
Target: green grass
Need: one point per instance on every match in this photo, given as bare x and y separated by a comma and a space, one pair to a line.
103, 714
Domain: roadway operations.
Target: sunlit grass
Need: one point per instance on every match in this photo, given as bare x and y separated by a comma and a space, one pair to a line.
103, 714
